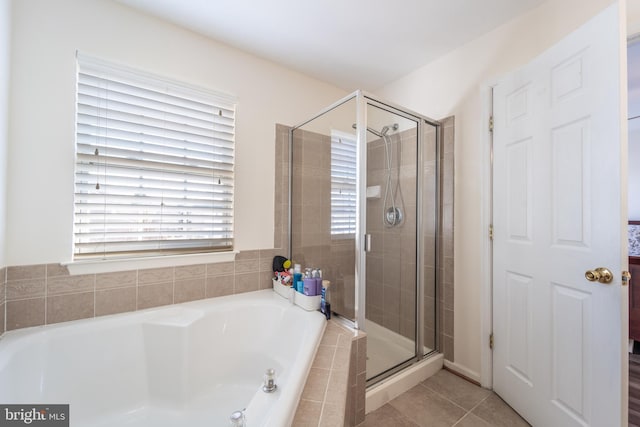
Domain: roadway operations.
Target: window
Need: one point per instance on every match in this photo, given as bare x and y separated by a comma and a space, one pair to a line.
343, 183
154, 165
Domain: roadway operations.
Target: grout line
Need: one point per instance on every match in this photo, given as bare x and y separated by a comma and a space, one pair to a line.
478, 404
94, 295
462, 418
442, 396
46, 293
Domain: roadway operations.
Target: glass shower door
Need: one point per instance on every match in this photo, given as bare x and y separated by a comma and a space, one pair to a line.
323, 201
391, 221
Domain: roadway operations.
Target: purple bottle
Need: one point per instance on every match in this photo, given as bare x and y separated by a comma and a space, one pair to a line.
310, 286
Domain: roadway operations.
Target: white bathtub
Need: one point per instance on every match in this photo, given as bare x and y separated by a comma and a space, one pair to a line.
190, 364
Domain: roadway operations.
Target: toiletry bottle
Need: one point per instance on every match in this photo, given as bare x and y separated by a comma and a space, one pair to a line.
318, 281
325, 305
310, 288
297, 278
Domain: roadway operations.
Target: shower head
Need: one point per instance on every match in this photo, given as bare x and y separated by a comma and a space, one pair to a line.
383, 132
386, 129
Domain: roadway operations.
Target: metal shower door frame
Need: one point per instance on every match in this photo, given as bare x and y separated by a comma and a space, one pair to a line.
362, 100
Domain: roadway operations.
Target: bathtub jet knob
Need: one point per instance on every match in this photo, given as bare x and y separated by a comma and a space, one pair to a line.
269, 381
238, 419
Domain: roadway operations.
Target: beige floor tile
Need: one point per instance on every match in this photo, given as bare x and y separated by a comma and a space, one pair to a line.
387, 416
471, 420
427, 408
456, 389
497, 413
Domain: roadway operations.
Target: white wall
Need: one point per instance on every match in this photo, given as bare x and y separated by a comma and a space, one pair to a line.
46, 35
633, 62
5, 53
452, 85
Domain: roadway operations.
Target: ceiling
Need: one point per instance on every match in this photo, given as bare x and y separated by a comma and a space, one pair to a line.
352, 44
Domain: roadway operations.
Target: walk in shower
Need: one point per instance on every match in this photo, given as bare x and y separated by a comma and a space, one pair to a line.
364, 209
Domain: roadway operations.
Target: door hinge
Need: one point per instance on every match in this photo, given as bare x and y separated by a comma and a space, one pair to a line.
491, 341
491, 124
491, 231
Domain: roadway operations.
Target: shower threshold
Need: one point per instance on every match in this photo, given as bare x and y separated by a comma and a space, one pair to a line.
386, 349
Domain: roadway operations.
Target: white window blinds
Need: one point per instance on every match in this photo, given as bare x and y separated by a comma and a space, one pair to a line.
343, 184
154, 164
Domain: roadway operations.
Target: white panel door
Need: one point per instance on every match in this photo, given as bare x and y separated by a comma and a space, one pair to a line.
558, 213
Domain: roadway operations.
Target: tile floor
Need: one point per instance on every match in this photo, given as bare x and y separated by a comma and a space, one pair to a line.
445, 400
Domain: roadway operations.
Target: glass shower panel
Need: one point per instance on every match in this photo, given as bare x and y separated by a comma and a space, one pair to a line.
391, 220
323, 201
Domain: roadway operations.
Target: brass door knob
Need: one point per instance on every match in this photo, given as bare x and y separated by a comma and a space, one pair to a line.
600, 274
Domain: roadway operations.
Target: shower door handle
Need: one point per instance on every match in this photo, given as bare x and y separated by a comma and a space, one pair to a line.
367, 242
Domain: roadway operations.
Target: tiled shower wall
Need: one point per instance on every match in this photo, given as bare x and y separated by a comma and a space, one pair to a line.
445, 293
391, 263
313, 244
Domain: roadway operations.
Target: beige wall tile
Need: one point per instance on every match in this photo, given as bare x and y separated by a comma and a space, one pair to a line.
189, 289
62, 308
29, 288
361, 363
344, 340
337, 387
266, 264
361, 389
120, 279
219, 286
155, 275
190, 271
266, 279
332, 415
324, 357
220, 269
57, 270
247, 265
307, 414
155, 295
448, 349
448, 322
25, 313
341, 359
118, 300
244, 255
70, 284
247, 282
316, 384
331, 335
2, 318
24, 272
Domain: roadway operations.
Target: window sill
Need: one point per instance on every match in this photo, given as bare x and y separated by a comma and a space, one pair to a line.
125, 264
